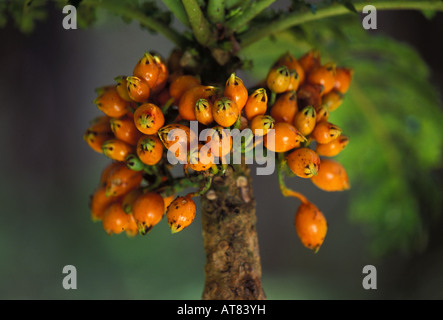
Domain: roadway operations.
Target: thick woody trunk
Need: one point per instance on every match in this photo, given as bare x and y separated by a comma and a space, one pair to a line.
233, 269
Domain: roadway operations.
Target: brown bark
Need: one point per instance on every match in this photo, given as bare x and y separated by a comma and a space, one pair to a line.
233, 269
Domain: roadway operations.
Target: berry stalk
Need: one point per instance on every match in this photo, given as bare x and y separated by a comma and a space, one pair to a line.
281, 181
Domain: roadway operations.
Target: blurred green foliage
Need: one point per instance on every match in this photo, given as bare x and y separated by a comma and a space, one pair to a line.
392, 114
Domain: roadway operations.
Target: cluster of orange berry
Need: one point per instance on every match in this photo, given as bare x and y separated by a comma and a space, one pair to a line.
142, 110
308, 91
126, 134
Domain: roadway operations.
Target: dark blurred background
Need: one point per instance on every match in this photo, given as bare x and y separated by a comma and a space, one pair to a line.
47, 172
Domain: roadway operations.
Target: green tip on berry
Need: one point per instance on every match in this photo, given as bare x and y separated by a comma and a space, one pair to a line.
284, 71
224, 103
201, 104
119, 79
175, 228
316, 249
232, 80
107, 147
145, 121
109, 192
268, 122
143, 229
309, 111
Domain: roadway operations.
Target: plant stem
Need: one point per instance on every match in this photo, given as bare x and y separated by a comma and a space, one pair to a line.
233, 269
204, 188
244, 17
216, 11
296, 18
177, 9
200, 25
234, 3
125, 11
281, 181
272, 99
179, 184
167, 105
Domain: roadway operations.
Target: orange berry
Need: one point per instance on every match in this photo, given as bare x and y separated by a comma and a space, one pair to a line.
129, 199
147, 70
148, 210
203, 111
148, 118
163, 74
186, 105
309, 95
331, 176
325, 132
149, 149
125, 130
115, 220
106, 171
181, 213
322, 112
283, 137
304, 162
305, 120
177, 139
256, 104
261, 125
181, 84
278, 79
95, 140
111, 104
332, 148
220, 141
168, 200
162, 97
310, 60
225, 112
116, 149
131, 229
122, 88
176, 132
295, 81
343, 77
138, 90
99, 202
324, 76
201, 158
311, 226
285, 107
332, 100
100, 124
121, 180
236, 91
292, 63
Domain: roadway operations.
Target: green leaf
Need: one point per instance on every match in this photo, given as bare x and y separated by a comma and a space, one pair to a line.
86, 15
26, 13
392, 114
151, 9
429, 14
298, 5
350, 6
3, 14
